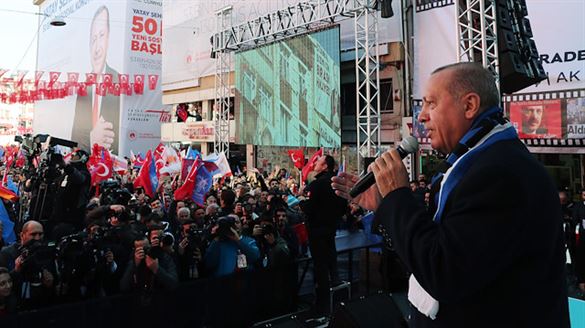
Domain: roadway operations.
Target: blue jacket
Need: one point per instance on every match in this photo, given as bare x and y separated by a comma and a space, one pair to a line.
222, 255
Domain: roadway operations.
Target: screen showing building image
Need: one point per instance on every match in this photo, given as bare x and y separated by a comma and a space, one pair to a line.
287, 93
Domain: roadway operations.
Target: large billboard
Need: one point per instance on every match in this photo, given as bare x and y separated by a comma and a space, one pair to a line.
189, 26
115, 46
287, 93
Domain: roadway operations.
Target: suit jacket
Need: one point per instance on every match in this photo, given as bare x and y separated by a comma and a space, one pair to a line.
109, 109
323, 208
496, 259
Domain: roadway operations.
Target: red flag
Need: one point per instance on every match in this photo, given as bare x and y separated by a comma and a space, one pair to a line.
8, 194
100, 164
139, 84
298, 157
311, 164
158, 159
72, 78
101, 89
159, 149
20, 78
186, 190
53, 76
38, 75
129, 90
147, 177
123, 79
82, 90
116, 91
107, 79
152, 81
90, 78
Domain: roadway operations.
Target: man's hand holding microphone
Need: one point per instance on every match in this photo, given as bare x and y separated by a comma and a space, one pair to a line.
387, 174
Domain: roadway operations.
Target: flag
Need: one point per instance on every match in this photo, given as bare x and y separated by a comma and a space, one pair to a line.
185, 191
172, 162
192, 153
147, 177
203, 182
82, 90
120, 164
186, 164
107, 79
72, 78
311, 164
12, 186
38, 75
53, 77
100, 164
8, 194
123, 80
152, 81
20, 78
90, 78
298, 157
139, 84
8, 233
101, 89
223, 167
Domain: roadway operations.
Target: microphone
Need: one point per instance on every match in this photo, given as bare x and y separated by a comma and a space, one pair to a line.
407, 146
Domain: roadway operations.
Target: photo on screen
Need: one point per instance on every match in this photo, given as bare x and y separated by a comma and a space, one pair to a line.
575, 117
287, 93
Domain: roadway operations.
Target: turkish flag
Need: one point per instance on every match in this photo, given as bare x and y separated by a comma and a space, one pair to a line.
129, 90
147, 177
116, 89
90, 78
152, 81
38, 75
124, 80
101, 89
311, 164
298, 157
82, 90
53, 77
72, 78
139, 84
107, 80
100, 164
186, 190
20, 78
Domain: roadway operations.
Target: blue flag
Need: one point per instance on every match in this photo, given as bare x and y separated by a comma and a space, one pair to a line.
12, 186
192, 153
203, 182
8, 232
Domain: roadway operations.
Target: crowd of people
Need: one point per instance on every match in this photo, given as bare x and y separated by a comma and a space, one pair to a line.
125, 241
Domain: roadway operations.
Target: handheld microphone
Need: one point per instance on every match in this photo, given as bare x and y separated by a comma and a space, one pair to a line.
407, 146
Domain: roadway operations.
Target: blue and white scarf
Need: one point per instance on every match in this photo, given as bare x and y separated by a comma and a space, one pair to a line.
460, 163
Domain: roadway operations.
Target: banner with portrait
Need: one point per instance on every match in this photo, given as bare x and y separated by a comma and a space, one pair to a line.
115, 47
537, 118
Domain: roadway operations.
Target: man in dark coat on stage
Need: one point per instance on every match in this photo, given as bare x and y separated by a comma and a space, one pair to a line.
490, 251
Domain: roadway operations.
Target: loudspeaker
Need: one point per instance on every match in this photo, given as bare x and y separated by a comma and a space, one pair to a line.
386, 7
374, 311
518, 56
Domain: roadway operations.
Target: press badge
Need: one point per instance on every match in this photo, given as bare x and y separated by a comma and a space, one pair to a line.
242, 263
64, 182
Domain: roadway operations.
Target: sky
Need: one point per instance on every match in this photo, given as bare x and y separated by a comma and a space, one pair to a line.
18, 30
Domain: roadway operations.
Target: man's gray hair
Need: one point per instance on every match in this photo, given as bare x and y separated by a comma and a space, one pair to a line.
472, 77
184, 210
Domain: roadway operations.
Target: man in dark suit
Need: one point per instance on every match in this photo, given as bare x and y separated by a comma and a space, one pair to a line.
490, 251
97, 118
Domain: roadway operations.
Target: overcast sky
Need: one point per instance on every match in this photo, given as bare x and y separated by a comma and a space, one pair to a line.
18, 29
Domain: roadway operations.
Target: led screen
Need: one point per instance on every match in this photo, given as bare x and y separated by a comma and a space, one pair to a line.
287, 93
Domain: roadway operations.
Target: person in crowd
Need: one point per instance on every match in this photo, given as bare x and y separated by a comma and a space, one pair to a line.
324, 210
32, 271
8, 301
150, 269
189, 251
478, 253
286, 232
278, 253
227, 201
230, 251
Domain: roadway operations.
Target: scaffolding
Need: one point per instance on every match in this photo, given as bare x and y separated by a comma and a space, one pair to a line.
222, 84
298, 19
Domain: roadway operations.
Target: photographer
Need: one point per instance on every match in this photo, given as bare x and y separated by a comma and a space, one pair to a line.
190, 250
72, 196
33, 267
150, 269
230, 251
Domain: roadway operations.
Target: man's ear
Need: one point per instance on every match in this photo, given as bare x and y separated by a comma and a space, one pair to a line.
471, 101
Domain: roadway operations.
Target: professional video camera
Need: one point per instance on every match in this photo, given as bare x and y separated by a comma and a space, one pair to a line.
112, 193
37, 256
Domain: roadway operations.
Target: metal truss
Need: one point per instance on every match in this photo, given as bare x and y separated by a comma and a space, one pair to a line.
222, 85
367, 73
309, 15
477, 33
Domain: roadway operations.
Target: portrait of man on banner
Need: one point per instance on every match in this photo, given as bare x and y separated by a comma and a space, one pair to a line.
97, 116
537, 119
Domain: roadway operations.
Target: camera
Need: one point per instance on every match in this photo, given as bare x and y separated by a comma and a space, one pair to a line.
36, 257
224, 225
